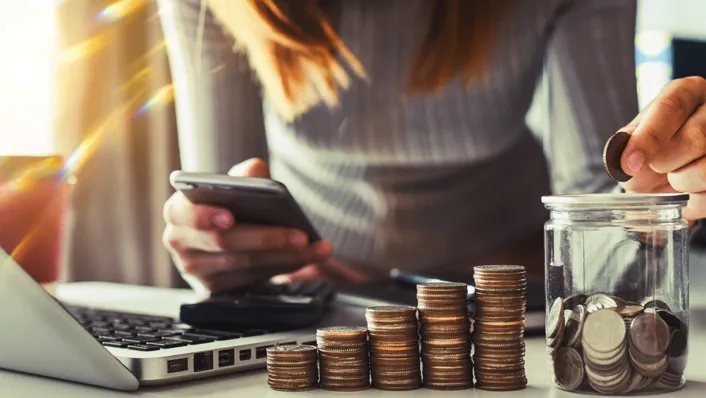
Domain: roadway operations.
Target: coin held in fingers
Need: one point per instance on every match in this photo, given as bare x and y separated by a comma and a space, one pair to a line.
612, 152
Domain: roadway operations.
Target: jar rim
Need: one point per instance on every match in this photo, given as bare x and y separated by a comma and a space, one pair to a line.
618, 199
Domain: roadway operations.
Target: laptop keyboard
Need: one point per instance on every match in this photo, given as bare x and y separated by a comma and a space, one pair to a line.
145, 332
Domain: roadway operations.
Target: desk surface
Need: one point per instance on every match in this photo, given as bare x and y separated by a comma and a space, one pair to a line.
254, 383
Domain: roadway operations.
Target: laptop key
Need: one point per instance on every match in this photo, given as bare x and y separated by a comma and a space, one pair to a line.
103, 339
120, 333
160, 334
144, 329
101, 330
115, 344
217, 334
122, 327
143, 347
138, 340
167, 343
191, 340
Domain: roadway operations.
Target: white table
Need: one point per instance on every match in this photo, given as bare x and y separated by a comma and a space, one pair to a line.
253, 384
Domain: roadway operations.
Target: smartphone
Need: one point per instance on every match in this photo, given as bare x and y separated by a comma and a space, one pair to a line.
251, 200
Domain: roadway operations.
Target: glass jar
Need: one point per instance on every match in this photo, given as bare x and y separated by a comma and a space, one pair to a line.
617, 292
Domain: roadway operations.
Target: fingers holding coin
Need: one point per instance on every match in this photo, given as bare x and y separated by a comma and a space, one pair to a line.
668, 133
664, 148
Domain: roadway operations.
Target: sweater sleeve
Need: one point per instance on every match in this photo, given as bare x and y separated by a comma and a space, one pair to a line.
591, 89
217, 100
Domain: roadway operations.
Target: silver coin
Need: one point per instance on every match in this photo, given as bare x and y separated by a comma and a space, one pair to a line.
574, 326
603, 331
573, 301
636, 382
555, 317
603, 300
650, 335
569, 368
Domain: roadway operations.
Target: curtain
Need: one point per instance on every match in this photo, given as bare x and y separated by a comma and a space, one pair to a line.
115, 118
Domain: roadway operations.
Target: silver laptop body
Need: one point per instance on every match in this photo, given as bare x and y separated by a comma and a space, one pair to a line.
38, 335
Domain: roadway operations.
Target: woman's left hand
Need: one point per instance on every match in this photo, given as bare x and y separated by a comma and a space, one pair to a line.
667, 148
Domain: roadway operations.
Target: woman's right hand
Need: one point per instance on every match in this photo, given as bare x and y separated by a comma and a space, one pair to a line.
213, 249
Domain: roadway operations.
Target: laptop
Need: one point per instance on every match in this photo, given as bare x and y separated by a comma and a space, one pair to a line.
40, 335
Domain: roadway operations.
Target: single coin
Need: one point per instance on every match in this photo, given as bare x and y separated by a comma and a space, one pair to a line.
603, 331
655, 303
612, 152
574, 326
342, 331
573, 301
602, 300
568, 368
678, 351
630, 310
650, 335
671, 319
555, 317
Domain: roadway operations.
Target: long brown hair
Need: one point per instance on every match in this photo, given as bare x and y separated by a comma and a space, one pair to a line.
293, 47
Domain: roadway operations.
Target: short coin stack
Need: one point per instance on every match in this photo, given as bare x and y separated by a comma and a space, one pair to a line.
394, 347
445, 331
649, 338
292, 368
555, 281
343, 355
498, 328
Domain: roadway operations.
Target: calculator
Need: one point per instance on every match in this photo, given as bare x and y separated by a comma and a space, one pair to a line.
276, 307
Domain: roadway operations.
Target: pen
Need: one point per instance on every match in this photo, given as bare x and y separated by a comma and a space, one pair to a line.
410, 279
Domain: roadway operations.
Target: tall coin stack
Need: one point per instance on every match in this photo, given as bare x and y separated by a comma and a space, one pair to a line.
292, 368
394, 347
343, 356
498, 327
445, 331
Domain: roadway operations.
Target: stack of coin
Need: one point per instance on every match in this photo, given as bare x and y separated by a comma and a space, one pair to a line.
649, 344
555, 325
343, 356
555, 281
445, 331
292, 368
394, 347
605, 352
498, 328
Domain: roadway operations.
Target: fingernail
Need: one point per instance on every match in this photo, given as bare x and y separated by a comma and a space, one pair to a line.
298, 239
635, 161
281, 279
222, 220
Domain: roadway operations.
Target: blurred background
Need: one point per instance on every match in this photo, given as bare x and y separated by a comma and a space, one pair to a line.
89, 79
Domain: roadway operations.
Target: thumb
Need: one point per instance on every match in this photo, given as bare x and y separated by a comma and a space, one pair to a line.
250, 168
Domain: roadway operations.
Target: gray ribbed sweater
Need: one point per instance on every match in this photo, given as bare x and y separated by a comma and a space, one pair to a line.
435, 181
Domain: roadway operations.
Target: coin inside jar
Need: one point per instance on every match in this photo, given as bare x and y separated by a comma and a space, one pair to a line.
603, 331
555, 317
650, 335
569, 368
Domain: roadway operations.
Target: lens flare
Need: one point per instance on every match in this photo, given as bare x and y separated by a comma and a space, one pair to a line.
90, 144
120, 9
83, 49
164, 96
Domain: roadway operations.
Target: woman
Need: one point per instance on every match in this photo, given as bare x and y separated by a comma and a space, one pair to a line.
399, 126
